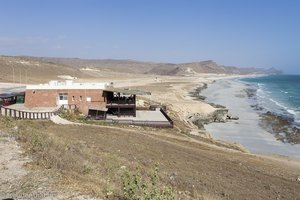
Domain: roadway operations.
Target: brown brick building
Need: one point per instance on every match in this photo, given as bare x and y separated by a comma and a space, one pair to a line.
83, 99
89, 98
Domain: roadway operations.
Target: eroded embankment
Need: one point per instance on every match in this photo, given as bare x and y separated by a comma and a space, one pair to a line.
219, 115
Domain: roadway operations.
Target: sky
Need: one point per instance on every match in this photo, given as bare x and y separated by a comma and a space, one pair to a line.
244, 33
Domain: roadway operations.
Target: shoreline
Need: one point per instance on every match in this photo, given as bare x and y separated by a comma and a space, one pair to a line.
282, 126
248, 130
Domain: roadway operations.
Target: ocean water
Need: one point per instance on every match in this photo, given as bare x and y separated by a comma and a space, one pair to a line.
247, 130
279, 94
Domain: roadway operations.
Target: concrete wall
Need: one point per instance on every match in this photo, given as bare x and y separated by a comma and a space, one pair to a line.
48, 98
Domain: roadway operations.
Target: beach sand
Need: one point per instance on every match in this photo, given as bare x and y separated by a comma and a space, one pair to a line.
246, 131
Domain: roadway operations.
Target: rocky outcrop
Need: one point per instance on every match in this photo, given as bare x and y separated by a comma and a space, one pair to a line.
220, 115
282, 127
196, 93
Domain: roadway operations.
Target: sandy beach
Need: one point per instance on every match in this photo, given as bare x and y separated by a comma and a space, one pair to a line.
246, 131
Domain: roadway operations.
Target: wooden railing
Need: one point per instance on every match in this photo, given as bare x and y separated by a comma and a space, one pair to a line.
167, 116
130, 102
156, 124
19, 114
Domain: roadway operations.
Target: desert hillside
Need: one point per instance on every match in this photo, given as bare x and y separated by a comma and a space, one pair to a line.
35, 69
27, 70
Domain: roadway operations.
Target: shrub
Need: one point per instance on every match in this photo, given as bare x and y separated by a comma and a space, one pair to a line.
72, 115
8, 122
135, 187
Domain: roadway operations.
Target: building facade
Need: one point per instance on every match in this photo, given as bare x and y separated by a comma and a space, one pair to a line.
68, 94
96, 99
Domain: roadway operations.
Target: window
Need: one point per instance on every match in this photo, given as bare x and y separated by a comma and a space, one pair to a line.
63, 96
73, 98
88, 99
80, 98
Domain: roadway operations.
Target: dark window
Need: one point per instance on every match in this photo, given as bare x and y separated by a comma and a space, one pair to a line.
63, 96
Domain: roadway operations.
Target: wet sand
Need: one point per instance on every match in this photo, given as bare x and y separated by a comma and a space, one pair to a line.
247, 130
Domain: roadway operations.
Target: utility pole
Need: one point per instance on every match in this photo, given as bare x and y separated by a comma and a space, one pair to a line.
26, 76
13, 73
20, 76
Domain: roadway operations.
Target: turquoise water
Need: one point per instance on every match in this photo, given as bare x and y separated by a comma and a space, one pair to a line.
279, 94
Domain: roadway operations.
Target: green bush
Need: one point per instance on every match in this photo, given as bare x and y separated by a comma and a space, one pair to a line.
8, 122
72, 115
135, 187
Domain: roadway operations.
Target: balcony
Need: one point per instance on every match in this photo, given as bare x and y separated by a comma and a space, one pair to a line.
121, 102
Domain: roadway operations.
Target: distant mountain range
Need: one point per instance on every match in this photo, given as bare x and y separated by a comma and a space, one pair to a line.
133, 66
44, 67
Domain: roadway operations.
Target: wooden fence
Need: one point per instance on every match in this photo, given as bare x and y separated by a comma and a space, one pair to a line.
19, 114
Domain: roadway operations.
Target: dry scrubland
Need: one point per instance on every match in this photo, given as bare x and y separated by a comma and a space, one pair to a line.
80, 162
92, 160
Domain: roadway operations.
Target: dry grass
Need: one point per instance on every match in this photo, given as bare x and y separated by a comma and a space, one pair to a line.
81, 169
92, 160
79, 165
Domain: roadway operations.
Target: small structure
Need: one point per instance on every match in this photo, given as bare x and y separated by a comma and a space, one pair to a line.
7, 99
67, 94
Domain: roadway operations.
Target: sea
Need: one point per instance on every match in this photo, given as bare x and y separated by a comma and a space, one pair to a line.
279, 94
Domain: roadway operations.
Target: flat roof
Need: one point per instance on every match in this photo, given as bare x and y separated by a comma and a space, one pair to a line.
12, 90
54, 85
7, 95
68, 84
127, 91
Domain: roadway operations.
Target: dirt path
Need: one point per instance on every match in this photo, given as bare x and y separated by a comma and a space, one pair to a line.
16, 179
11, 165
58, 120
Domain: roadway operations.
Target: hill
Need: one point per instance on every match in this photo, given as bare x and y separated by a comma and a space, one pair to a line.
133, 66
35, 69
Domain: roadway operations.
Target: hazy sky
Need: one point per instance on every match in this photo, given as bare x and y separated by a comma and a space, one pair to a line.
258, 33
